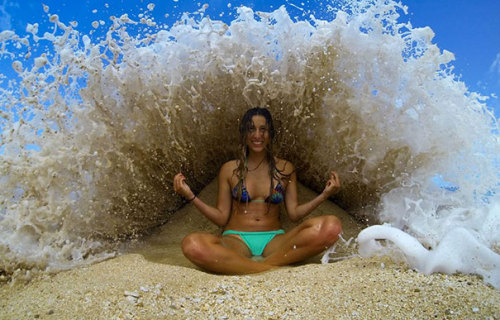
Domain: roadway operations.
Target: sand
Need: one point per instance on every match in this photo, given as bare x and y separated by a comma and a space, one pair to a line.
152, 280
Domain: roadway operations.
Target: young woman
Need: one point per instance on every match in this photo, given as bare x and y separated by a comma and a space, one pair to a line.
250, 191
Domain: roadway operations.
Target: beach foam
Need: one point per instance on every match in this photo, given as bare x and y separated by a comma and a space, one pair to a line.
95, 129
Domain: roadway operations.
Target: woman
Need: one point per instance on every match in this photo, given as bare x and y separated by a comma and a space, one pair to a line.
250, 190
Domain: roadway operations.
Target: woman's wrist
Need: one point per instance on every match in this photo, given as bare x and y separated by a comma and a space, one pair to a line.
324, 196
191, 198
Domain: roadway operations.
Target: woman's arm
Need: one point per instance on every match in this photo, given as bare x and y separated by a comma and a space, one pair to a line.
298, 211
218, 214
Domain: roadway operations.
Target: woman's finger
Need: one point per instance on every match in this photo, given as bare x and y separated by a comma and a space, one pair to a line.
335, 178
178, 180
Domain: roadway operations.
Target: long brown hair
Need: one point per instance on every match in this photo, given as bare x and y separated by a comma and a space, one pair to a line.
246, 124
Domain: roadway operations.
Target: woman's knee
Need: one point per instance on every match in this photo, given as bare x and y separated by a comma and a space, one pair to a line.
327, 229
194, 246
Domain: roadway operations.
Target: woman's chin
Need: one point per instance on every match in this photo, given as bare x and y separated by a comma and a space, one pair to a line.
257, 149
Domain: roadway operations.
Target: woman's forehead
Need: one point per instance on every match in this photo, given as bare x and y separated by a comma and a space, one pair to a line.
259, 120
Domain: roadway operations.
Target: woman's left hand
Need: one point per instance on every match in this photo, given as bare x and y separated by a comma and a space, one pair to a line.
332, 185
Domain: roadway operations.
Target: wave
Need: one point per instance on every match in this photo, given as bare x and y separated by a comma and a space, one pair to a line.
95, 129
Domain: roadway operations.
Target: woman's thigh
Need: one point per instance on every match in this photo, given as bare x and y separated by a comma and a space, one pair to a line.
206, 244
300, 235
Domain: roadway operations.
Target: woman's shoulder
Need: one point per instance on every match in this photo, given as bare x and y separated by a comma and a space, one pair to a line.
231, 164
285, 167
229, 167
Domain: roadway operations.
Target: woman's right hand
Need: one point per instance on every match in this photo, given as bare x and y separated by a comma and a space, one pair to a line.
181, 187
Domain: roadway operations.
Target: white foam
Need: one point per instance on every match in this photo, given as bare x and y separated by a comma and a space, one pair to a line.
459, 250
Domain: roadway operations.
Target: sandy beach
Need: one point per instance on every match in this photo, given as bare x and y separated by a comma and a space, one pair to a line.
152, 280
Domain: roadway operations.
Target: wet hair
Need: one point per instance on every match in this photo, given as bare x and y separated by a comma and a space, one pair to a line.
246, 124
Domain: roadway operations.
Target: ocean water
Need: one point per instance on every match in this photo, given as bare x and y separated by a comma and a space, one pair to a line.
95, 124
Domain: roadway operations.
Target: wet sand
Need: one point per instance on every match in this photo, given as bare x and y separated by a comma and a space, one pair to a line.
154, 281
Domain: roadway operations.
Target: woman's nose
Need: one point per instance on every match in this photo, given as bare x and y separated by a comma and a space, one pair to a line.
255, 134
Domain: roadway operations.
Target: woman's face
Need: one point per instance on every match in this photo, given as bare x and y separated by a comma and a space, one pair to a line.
258, 134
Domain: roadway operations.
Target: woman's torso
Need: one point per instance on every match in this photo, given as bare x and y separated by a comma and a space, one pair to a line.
255, 204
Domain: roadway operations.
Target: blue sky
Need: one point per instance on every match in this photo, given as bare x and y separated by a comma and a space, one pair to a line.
469, 29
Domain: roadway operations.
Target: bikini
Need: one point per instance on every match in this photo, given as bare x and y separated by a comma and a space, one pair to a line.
257, 241
276, 196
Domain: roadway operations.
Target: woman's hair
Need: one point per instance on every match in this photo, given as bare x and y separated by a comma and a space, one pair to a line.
246, 124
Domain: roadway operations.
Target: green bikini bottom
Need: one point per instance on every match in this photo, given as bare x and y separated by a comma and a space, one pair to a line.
256, 241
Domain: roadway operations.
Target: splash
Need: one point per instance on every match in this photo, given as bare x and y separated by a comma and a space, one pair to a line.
95, 129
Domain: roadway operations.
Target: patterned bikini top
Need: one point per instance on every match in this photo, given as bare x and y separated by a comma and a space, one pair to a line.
276, 196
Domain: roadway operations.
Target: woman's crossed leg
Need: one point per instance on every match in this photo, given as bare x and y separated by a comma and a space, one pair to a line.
230, 255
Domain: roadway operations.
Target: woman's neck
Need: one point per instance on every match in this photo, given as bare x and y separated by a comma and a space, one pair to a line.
256, 160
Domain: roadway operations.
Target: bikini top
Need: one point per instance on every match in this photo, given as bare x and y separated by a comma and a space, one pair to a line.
276, 196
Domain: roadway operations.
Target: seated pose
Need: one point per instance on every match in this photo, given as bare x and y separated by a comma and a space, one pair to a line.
250, 190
